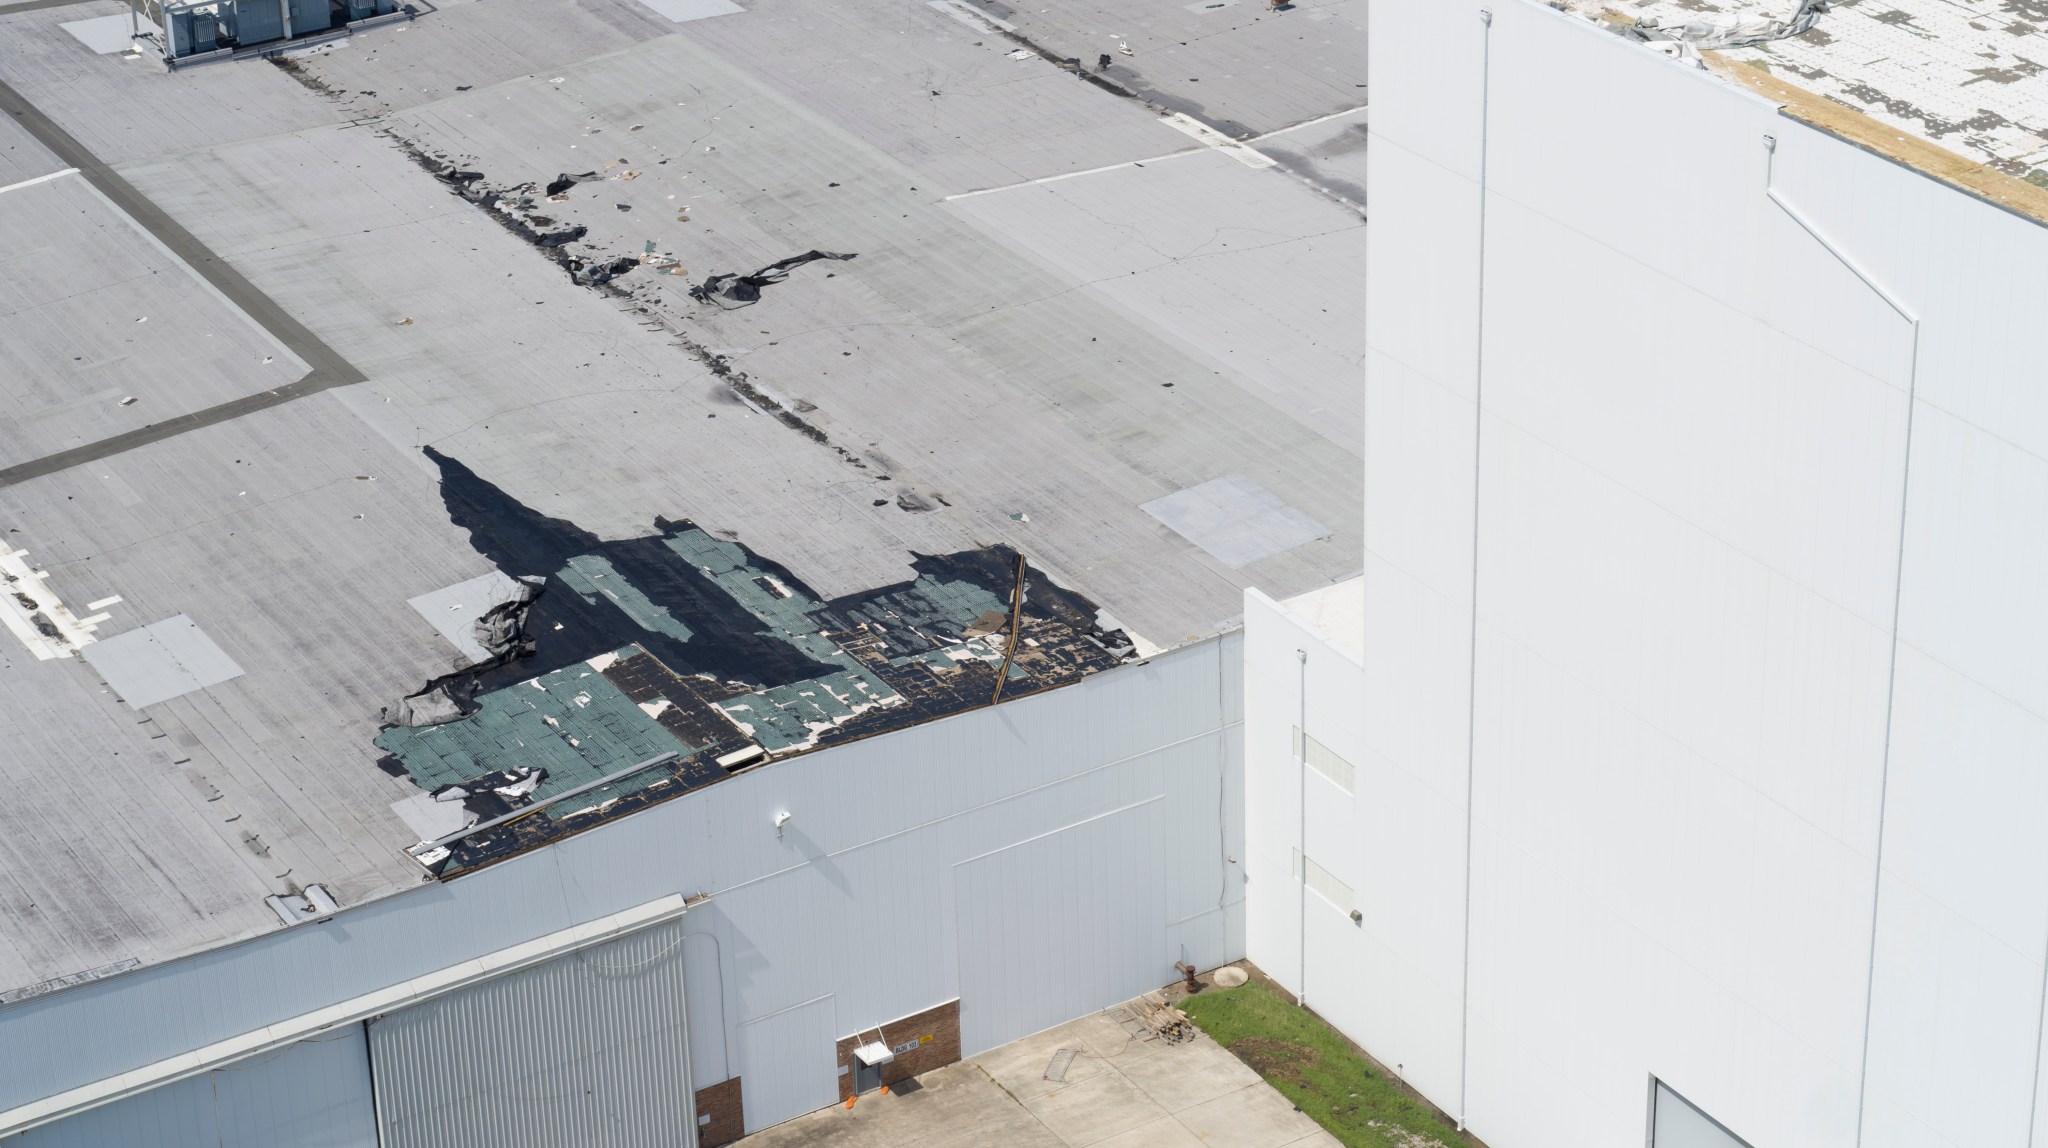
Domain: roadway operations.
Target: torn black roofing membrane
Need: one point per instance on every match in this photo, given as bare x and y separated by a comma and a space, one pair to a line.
732, 290
687, 650
514, 208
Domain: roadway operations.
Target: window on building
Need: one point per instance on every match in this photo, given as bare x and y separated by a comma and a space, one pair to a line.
1675, 1123
1324, 884
1325, 761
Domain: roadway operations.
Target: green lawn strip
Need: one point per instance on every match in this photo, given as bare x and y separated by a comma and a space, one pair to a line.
1314, 1066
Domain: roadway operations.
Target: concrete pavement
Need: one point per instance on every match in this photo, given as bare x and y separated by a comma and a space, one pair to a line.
1119, 1092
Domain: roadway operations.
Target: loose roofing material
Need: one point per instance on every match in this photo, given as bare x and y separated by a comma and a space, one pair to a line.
323, 299
1963, 74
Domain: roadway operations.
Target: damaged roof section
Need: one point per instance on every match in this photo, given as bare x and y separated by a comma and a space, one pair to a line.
667, 662
1962, 74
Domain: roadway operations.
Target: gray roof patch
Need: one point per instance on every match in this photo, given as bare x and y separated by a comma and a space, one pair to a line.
161, 661
1236, 520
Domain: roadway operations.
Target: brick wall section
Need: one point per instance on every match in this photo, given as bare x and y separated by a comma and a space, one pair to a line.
934, 1033
721, 1102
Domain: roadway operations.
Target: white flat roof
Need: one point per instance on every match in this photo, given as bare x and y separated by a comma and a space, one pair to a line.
1337, 612
1962, 74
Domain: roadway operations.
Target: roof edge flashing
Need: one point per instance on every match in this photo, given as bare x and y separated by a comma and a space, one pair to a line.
1859, 129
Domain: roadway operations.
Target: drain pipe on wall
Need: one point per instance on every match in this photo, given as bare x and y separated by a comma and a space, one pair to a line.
1301, 747
1472, 652
1884, 768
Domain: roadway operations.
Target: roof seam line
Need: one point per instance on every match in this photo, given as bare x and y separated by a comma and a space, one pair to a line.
329, 368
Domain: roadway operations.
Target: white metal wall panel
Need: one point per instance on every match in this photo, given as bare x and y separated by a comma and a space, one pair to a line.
1060, 926
1687, 521
313, 1094
789, 1063
1960, 928
1418, 570
704, 989
1215, 933
1979, 556
1391, 980
1420, 274
591, 1048
853, 899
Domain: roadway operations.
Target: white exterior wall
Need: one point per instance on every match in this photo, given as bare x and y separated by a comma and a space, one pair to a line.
1078, 909
844, 920
1687, 742
1391, 980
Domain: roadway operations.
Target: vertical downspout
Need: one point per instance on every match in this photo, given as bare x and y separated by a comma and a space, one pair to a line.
1301, 738
370, 1064
1472, 650
1898, 591
2040, 1023
1224, 860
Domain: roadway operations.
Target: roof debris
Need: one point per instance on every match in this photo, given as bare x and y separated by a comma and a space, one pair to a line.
1963, 74
685, 644
732, 290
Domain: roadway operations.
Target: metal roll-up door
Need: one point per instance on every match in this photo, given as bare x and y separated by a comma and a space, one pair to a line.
591, 1048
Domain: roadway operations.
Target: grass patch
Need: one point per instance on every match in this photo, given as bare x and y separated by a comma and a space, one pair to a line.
1314, 1066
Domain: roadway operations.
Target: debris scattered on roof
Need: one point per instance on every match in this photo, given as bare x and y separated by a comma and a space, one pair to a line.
309, 903
1729, 29
31, 609
693, 654
515, 208
732, 290
1963, 74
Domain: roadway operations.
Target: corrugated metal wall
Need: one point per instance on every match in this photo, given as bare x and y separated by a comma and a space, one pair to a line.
590, 1049
313, 1094
1060, 925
